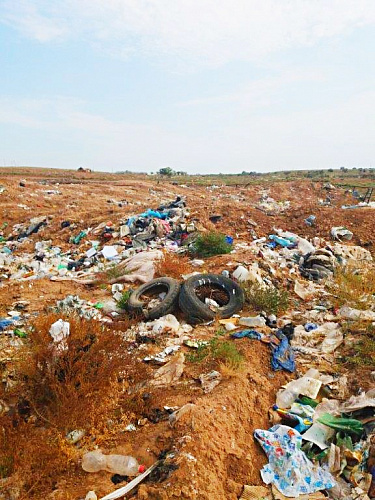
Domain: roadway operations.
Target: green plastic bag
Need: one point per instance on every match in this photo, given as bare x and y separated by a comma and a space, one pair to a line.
342, 424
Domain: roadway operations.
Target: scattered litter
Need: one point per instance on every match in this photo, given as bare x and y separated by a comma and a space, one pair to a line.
210, 380
59, 330
341, 233
170, 373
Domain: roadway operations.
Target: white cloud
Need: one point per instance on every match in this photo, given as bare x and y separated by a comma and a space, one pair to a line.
261, 92
198, 31
335, 135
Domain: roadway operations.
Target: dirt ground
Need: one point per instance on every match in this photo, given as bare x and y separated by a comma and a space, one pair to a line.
214, 440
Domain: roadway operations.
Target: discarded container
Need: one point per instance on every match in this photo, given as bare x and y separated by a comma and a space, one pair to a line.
95, 461
253, 321
59, 330
341, 233
307, 385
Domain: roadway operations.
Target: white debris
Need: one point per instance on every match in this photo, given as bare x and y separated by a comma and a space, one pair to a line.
59, 330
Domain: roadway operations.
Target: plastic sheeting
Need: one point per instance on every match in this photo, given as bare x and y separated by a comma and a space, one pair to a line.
283, 356
289, 469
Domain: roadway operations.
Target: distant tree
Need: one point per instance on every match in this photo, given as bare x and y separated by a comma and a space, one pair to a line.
166, 171
180, 172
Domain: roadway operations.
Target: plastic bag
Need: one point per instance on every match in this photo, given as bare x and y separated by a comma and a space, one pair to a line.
289, 469
350, 425
283, 356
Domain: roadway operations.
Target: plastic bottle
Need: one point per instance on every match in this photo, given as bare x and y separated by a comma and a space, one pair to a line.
307, 385
285, 398
94, 461
123, 465
253, 322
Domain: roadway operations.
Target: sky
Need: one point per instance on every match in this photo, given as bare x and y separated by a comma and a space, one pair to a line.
203, 86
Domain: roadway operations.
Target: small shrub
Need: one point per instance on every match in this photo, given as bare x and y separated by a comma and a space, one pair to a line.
70, 388
270, 300
219, 351
362, 351
172, 265
351, 288
123, 302
211, 243
56, 391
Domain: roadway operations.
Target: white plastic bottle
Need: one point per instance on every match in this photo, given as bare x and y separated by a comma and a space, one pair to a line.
308, 385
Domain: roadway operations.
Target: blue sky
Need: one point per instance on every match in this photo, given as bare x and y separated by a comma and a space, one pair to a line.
199, 85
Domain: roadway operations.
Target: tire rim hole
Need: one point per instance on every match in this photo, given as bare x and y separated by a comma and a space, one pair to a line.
152, 298
214, 292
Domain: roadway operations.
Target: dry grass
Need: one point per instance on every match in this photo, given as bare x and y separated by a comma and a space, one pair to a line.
55, 392
352, 289
32, 457
173, 266
66, 387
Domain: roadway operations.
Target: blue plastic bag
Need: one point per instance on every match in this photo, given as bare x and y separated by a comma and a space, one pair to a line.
4, 323
283, 356
250, 334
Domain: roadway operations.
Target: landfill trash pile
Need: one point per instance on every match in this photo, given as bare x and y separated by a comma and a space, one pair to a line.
249, 375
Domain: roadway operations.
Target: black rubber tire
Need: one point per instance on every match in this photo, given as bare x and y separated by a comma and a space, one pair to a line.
166, 306
198, 312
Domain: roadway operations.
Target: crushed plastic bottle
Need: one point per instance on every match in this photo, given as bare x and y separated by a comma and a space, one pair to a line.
95, 461
253, 322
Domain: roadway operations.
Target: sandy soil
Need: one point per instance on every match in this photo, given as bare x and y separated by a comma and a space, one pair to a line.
218, 454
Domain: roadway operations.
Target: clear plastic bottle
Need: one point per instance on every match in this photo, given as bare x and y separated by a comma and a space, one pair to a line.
94, 461
123, 465
286, 397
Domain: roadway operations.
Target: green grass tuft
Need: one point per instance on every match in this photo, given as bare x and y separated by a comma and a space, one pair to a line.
220, 351
211, 243
270, 300
123, 302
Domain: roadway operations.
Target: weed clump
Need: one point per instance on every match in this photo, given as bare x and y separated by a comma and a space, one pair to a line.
69, 387
356, 289
220, 351
210, 244
57, 388
362, 351
270, 300
172, 265
123, 302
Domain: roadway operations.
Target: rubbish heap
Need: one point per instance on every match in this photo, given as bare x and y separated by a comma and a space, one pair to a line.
320, 442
